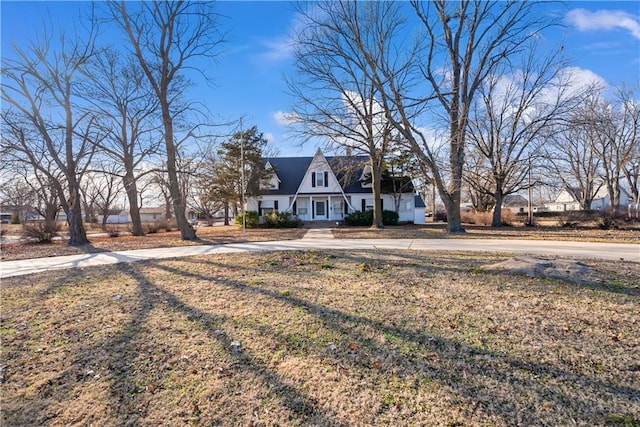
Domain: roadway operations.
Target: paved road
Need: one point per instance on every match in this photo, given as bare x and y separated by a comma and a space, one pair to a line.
323, 240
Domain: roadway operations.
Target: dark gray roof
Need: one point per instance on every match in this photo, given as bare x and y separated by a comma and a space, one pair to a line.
514, 200
291, 170
418, 202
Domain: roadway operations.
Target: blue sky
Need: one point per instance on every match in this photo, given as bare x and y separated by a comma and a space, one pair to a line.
601, 37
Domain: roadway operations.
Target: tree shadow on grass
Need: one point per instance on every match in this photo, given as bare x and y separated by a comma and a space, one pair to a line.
469, 371
504, 388
125, 392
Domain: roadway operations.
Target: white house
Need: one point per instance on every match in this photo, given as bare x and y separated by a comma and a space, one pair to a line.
115, 216
323, 188
152, 214
565, 201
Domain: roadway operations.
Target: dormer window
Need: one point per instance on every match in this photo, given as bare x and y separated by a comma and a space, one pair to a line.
320, 179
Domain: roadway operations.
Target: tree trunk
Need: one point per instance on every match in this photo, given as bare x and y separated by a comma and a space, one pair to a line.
376, 194
497, 211
452, 205
226, 212
77, 232
454, 222
131, 188
105, 217
187, 232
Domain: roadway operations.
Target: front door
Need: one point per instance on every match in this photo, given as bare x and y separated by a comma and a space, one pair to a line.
338, 210
321, 209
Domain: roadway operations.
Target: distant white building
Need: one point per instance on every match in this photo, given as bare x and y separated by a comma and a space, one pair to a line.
115, 216
565, 201
152, 214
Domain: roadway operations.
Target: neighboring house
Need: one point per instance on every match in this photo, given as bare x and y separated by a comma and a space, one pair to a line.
115, 216
566, 202
153, 214
515, 203
323, 188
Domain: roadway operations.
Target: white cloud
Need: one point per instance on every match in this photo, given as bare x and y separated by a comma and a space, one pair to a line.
282, 48
269, 137
581, 78
585, 20
277, 49
284, 119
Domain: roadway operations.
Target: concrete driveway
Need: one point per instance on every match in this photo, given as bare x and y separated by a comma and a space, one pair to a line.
323, 240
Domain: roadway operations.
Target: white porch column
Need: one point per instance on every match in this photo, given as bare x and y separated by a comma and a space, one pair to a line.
312, 207
329, 209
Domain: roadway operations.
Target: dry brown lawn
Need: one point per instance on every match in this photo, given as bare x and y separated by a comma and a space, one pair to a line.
321, 338
162, 239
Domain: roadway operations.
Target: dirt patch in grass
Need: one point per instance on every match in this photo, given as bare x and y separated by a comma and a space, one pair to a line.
438, 231
162, 239
321, 338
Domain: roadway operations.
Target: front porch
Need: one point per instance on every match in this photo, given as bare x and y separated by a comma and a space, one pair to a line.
323, 208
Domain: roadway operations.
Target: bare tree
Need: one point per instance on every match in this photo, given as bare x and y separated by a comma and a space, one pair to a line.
47, 123
336, 96
202, 198
167, 38
618, 122
32, 192
479, 181
121, 92
463, 43
632, 174
517, 102
572, 156
101, 190
19, 195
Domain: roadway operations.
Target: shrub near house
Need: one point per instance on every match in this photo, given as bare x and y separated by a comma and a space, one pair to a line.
270, 220
365, 218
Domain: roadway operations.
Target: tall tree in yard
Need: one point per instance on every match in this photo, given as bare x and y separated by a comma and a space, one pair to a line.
167, 38
618, 122
517, 103
462, 44
336, 96
242, 152
120, 91
46, 124
572, 156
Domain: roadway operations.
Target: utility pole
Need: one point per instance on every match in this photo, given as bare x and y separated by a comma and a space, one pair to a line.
244, 214
530, 203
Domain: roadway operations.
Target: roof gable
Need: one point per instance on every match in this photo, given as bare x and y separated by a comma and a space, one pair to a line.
293, 171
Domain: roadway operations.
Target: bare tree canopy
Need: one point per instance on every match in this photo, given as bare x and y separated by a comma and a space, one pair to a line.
336, 94
123, 96
47, 126
571, 153
462, 43
517, 103
167, 38
598, 147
